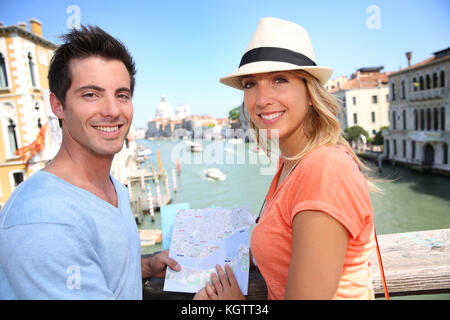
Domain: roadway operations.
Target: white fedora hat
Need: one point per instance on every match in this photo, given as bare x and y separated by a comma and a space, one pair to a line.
278, 45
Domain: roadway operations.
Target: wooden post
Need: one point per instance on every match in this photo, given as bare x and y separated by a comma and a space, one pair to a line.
174, 181
130, 192
158, 195
150, 204
166, 182
142, 180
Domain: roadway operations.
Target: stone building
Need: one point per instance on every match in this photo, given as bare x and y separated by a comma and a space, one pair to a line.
419, 112
364, 99
24, 104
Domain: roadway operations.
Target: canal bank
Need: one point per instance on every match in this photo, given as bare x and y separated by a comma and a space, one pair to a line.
410, 201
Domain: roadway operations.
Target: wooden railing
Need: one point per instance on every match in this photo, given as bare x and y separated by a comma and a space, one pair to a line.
414, 263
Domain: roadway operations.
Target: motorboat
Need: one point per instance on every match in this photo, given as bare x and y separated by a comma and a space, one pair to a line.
235, 141
194, 147
143, 155
215, 174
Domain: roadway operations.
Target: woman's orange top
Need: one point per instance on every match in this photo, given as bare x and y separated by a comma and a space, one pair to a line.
329, 180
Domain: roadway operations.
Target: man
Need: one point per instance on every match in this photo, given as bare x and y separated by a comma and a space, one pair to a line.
68, 232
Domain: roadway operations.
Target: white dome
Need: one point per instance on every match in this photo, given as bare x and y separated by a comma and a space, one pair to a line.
182, 111
164, 109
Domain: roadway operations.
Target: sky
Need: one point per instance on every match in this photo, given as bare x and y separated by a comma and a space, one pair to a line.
182, 47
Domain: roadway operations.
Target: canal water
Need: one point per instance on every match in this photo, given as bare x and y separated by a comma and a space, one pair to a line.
410, 201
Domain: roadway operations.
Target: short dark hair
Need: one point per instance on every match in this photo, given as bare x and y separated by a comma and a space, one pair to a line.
83, 43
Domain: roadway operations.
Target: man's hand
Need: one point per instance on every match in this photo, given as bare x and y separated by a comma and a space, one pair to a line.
155, 266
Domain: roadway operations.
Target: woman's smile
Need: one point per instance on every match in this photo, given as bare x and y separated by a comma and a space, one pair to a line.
271, 117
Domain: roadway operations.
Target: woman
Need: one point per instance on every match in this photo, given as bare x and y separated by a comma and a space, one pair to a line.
315, 234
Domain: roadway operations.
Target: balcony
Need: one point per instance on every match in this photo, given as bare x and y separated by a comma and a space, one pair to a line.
428, 94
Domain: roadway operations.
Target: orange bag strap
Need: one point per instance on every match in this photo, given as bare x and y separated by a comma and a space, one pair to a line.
380, 264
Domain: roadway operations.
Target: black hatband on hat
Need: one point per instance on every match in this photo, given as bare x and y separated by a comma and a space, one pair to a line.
276, 54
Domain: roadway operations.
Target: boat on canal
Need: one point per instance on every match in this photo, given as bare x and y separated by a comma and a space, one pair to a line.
215, 174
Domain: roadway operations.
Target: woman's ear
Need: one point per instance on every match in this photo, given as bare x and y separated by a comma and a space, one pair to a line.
57, 106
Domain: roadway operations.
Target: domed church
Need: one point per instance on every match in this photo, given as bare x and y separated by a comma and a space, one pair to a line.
164, 109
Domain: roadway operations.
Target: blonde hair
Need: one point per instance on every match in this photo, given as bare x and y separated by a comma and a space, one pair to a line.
321, 125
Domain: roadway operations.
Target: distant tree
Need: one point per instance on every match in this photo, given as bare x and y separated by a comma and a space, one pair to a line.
378, 140
234, 113
353, 133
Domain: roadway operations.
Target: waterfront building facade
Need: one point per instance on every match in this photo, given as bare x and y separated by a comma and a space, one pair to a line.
364, 99
419, 133
26, 118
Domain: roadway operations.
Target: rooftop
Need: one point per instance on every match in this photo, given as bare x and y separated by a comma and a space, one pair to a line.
437, 56
363, 78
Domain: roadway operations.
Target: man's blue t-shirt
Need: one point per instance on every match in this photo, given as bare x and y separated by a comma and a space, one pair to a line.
58, 241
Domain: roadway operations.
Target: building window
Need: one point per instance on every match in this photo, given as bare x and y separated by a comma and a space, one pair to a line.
393, 91
374, 99
413, 149
403, 90
428, 81
436, 119
373, 117
355, 118
416, 120
404, 119
404, 148
428, 119
354, 101
443, 118
31, 67
435, 80
415, 84
394, 122
395, 147
421, 83
445, 150
3, 74
18, 178
12, 137
442, 78
422, 119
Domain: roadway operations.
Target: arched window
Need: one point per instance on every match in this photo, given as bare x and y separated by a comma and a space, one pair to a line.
394, 124
393, 91
436, 118
445, 151
415, 84
422, 120
428, 119
435, 80
421, 83
31, 67
428, 79
443, 118
3, 74
404, 119
442, 76
403, 90
12, 137
416, 120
